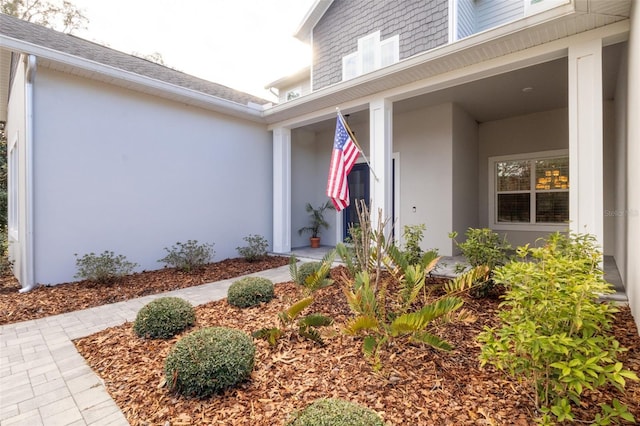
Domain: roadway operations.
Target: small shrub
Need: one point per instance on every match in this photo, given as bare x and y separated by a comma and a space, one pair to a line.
335, 412
483, 248
104, 268
250, 291
163, 318
413, 235
188, 256
209, 361
256, 250
304, 270
555, 334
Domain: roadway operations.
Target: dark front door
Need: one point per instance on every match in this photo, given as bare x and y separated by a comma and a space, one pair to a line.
358, 190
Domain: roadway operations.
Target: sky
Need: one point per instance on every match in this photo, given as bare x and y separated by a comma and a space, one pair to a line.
243, 44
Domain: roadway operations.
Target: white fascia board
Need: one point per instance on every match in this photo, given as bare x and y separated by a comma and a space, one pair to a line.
132, 79
317, 11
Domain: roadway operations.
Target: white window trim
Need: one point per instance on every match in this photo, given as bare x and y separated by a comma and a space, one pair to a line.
395, 42
493, 193
358, 54
345, 60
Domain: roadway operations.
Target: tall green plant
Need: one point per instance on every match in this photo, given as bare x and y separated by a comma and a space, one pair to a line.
382, 315
555, 333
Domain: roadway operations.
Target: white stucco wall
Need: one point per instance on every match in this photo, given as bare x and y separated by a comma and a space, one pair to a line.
309, 167
424, 139
609, 177
465, 172
543, 131
620, 179
633, 159
117, 170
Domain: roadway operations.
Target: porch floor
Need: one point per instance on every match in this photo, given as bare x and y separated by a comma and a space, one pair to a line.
447, 265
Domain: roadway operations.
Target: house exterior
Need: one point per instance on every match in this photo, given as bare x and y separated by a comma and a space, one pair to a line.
112, 152
513, 115
517, 115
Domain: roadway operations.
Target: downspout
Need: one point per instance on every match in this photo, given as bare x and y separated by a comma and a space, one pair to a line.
28, 251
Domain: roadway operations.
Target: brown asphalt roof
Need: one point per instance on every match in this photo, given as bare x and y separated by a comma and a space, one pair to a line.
70, 44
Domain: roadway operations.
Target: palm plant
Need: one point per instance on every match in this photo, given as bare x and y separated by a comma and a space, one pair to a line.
316, 219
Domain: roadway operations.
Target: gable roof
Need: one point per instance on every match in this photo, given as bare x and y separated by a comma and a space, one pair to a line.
317, 10
37, 35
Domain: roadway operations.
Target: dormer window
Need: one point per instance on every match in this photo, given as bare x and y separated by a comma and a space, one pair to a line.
371, 55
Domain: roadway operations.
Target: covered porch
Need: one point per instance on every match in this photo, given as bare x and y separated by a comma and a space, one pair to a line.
434, 146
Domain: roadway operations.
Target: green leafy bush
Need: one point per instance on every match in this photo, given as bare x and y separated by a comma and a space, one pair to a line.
103, 268
303, 271
256, 248
312, 275
335, 412
483, 248
250, 291
209, 361
164, 318
188, 256
413, 235
5, 262
555, 334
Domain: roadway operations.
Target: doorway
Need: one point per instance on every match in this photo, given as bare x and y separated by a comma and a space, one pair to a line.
358, 190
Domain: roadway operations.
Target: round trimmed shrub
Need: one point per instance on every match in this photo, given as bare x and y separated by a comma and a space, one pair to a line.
336, 412
163, 318
305, 270
250, 291
209, 361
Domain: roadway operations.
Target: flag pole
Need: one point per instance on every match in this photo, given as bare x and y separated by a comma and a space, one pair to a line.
353, 137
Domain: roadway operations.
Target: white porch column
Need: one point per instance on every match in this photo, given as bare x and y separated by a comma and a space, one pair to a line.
585, 139
380, 153
281, 190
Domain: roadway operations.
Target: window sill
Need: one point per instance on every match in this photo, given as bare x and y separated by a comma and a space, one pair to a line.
531, 227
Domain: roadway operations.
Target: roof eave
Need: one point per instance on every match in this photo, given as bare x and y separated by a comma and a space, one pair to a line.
300, 75
313, 16
98, 71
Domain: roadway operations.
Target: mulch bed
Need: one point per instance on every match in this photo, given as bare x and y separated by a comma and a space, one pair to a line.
417, 385
44, 301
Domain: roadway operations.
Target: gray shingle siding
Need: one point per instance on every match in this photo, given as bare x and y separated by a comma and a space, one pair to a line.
421, 24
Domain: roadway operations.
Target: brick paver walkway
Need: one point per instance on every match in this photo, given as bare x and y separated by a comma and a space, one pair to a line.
45, 381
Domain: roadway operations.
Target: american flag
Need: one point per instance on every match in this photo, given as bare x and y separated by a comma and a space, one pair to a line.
345, 153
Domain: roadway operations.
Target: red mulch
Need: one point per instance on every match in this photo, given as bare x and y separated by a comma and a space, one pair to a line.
52, 300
